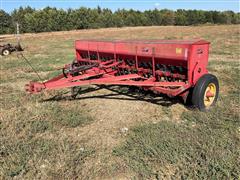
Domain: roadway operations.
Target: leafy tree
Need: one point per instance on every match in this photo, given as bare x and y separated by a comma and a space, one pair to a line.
78, 19
154, 17
168, 17
195, 17
106, 18
236, 18
121, 15
18, 16
53, 19
181, 17
5, 22
228, 17
218, 17
209, 17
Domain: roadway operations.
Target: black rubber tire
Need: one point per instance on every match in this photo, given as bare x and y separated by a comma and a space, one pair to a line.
199, 90
5, 50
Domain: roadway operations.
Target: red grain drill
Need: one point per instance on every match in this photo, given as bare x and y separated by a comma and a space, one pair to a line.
175, 68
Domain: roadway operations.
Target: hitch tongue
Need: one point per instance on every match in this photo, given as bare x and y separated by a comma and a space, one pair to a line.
34, 87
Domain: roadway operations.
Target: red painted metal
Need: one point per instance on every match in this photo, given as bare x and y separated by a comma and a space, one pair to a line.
163, 66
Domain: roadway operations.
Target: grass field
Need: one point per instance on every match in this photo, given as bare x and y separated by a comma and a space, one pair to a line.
111, 132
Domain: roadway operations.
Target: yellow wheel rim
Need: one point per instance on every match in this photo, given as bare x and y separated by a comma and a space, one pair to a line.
210, 94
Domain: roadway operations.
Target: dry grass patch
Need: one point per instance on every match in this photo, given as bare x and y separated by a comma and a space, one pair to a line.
50, 136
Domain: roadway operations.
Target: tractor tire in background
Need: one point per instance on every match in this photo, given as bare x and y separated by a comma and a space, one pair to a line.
5, 52
205, 92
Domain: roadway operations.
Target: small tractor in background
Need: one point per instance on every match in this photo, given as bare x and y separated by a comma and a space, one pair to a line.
171, 67
7, 49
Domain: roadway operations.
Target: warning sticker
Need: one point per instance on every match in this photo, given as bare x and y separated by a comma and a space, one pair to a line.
178, 50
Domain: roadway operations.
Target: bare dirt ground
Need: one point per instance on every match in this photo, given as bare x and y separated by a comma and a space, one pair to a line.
114, 115
112, 111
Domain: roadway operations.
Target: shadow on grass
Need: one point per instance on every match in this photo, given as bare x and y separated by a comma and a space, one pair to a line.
130, 93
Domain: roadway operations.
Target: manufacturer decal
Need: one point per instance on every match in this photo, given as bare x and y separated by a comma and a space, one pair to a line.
199, 51
178, 50
145, 49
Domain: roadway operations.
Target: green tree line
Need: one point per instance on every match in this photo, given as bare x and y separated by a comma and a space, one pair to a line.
53, 19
